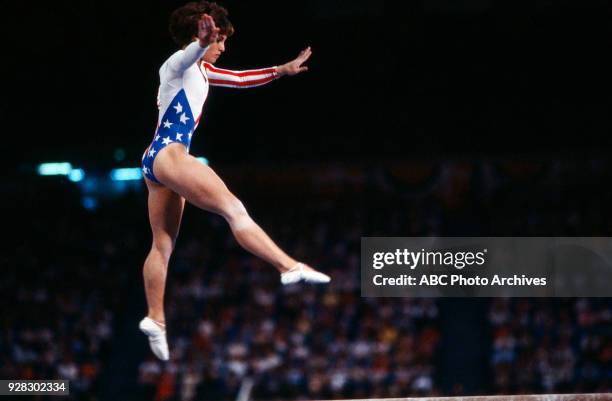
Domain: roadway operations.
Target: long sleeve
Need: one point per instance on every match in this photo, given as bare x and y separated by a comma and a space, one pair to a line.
183, 59
239, 79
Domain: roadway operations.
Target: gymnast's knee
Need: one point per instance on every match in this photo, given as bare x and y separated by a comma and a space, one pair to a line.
237, 216
163, 248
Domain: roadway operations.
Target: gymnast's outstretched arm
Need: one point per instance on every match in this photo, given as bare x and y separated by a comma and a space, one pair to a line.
257, 77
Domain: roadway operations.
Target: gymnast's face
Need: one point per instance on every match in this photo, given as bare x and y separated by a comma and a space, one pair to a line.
215, 50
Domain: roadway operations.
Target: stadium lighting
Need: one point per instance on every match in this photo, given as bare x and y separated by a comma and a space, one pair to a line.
62, 168
76, 175
126, 174
202, 160
90, 203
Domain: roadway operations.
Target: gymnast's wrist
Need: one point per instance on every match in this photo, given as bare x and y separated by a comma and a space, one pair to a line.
280, 71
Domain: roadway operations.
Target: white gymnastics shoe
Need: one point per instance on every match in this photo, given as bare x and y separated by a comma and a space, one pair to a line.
157, 337
300, 272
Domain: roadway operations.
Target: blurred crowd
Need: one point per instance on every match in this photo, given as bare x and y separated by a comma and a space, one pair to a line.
296, 342
63, 283
234, 330
545, 346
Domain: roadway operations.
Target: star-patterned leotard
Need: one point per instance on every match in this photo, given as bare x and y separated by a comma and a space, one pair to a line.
184, 83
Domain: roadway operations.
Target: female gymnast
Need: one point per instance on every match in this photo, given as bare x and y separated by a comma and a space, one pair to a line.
173, 176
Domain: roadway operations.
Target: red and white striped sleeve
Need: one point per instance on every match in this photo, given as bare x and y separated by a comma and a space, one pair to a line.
239, 79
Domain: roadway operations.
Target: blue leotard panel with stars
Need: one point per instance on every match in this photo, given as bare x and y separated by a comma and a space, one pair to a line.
177, 126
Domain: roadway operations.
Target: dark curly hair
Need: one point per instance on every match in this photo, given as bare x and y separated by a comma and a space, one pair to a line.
184, 21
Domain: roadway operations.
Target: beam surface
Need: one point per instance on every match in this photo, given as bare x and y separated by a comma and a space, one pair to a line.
535, 397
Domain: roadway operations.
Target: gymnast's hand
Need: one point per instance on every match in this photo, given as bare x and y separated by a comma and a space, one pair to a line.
295, 66
207, 30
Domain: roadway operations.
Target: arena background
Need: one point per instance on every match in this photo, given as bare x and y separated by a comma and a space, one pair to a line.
441, 117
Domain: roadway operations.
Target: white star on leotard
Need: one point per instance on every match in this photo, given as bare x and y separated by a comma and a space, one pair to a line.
166, 140
190, 134
184, 118
167, 124
178, 136
152, 152
157, 137
145, 170
178, 108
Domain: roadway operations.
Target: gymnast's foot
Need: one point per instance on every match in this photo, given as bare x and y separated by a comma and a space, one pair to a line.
157, 337
302, 272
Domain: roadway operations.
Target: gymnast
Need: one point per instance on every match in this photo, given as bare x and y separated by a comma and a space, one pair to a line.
172, 175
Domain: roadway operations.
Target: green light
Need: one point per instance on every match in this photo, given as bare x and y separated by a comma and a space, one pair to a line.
125, 174
76, 175
62, 168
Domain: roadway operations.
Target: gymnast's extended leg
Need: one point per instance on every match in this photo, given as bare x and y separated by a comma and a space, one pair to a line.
201, 186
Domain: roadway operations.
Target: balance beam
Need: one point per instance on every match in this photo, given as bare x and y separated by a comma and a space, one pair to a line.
534, 397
